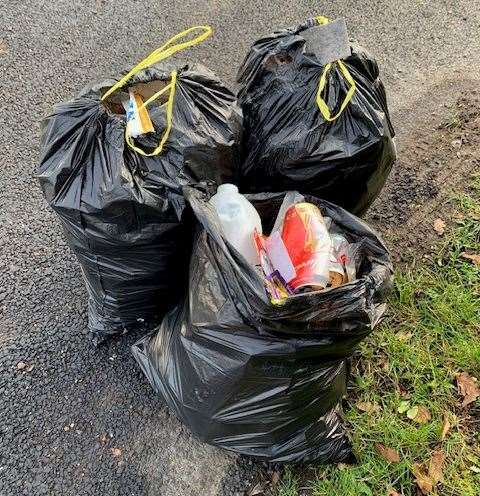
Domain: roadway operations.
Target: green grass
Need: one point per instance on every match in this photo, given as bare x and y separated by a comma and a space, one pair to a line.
432, 333
289, 484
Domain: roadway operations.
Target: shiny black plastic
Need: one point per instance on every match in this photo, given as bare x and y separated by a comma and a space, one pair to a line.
124, 213
259, 379
288, 145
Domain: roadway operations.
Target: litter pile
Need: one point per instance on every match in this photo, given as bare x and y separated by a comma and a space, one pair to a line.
254, 302
258, 378
301, 255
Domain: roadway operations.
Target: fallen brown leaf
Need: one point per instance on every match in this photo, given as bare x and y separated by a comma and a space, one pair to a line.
445, 428
116, 452
439, 226
422, 416
388, 454
367, 406
435, 466
3, 47
428, 478
257, 490
468, 388
472, 257
392, 492
275, 478
424, 482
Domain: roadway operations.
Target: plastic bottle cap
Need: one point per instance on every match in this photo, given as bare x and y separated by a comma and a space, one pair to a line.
227, 188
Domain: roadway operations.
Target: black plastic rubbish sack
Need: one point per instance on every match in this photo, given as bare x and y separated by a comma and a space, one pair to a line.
259, 379
122, 209
292, 140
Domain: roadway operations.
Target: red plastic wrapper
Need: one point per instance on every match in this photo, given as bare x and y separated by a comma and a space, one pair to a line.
308, 243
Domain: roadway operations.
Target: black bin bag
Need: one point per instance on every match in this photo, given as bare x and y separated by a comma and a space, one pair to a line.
255, 378
318, 128
121, 204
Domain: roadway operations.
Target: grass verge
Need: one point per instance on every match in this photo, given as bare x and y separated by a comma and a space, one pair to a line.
410, 431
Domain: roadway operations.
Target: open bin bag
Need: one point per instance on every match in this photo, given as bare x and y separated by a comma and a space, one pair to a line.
318, 128
260, 379
120, 199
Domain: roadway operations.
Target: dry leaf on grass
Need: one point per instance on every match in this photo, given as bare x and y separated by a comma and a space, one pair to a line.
428, 478
116, 452
388, 454
468, 388
435, 467
367, 406
419, 414
392, 492
423, 415
439, 226
275, 478
422, 479
445, 428
472, 257
257, 490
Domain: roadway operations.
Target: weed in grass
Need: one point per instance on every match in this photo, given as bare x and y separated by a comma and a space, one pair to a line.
288, 485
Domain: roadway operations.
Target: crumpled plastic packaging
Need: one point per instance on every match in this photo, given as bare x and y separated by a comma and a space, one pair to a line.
289, 145
124, 213
260, 379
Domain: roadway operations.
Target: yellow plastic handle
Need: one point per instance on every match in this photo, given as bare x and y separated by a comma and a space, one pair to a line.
165, 51
322, 105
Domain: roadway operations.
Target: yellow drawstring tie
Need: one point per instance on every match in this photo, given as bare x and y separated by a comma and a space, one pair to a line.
322, 105
165, 51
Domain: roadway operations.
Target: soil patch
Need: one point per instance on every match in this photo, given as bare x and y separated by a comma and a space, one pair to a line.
433, 162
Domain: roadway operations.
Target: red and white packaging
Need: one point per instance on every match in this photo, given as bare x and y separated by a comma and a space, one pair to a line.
308, 244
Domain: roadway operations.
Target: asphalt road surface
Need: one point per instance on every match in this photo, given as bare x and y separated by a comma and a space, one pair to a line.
75, 420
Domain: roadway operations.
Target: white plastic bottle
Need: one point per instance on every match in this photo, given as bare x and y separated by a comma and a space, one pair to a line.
239, 219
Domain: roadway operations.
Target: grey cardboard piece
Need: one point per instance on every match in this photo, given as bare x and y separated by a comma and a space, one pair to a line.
328, 42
